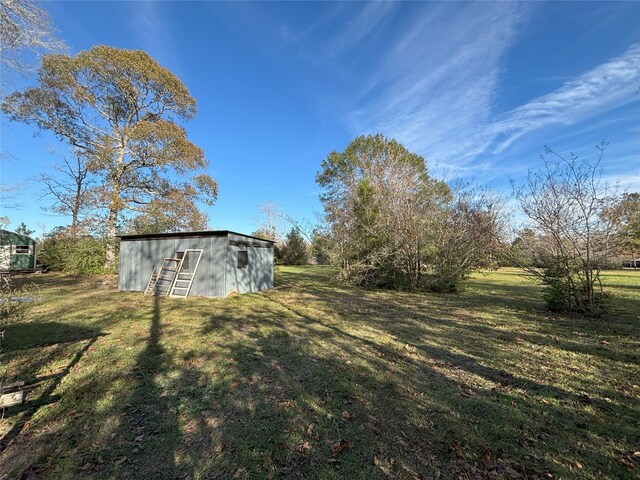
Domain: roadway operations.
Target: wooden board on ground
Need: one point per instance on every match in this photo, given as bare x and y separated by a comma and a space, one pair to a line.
11, 399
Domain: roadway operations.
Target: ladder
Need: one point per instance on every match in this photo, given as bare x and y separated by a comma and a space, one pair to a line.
185, 273
161, 279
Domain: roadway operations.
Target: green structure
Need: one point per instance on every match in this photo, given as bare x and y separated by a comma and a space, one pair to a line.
17, 252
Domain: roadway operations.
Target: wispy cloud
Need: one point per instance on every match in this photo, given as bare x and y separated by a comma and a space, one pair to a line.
604, 88
436, 89
339, 29
438, 82
152, 32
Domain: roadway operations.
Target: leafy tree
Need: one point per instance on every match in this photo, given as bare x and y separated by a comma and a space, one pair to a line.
568, 206
321, 247
23, 230
63, 249
626, 215
294, 251
120, 108
168, 215
379, 201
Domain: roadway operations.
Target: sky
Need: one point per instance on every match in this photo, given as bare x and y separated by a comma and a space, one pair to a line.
477, 89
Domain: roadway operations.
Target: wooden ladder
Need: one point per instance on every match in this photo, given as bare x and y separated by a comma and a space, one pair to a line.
162, 279
185, 273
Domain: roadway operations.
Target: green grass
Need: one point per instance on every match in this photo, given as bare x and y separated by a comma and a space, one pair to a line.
485, 384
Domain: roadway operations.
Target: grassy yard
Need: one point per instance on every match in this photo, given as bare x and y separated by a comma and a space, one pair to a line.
321, 380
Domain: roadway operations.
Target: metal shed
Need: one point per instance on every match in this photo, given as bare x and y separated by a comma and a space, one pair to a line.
216, 263
17, 251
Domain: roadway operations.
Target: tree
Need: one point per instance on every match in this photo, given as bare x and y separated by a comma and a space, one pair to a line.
72, 189
465, 234
379, 202
23, 230
168, 215
294, 251
25, 27
321, 247
626, 215
120, 108
269, 222
567, 204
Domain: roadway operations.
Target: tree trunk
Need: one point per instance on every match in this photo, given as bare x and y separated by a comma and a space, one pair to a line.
112, 222
114, 209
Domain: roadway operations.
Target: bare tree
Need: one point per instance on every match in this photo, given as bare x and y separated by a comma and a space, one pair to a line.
71, 188
465, 234
270, 222
25, 27
566, 202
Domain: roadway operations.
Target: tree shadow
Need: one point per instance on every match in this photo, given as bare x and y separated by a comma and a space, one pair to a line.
19, 337
323, 381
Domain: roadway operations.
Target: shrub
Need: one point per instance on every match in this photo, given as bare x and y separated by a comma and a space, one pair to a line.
87, 257
78, 256
567, 291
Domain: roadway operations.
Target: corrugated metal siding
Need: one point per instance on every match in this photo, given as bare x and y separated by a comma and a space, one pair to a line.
261, 264
257, 276
237, 278
217, 273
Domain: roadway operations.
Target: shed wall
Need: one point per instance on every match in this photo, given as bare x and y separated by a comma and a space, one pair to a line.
258, 275
10, 257
217, 273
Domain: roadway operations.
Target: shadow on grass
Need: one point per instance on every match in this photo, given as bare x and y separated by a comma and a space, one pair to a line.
326, 381
20, 336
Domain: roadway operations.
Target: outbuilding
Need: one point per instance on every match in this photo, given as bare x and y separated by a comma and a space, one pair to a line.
17, 251
209, 264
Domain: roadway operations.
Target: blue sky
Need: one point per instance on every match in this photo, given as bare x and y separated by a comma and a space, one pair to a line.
478, 89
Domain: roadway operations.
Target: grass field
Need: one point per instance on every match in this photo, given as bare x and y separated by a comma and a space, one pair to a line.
321, 380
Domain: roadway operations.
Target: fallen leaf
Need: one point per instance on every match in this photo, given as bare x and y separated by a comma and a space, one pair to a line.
239, 472
87, 466
512, 473
338, 447
376, 460
636, 454
140, 437
310, 428
489, 464
578, 464
304, 447
347, 415
121, 461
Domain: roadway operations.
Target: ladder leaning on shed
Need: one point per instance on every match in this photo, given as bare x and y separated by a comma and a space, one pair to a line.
185, 274
161, 279
175, 275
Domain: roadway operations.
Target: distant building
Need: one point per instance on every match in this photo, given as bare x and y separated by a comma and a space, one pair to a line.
17, 251
209, 264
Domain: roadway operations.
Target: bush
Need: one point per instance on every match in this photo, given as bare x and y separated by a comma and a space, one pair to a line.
445, 283
87, 257
566, 289
78, 256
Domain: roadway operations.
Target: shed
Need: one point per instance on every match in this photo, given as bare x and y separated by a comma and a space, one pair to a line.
210, 263
17, 251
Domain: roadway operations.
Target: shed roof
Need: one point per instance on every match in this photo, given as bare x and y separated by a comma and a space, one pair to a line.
206, 233
13, 237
